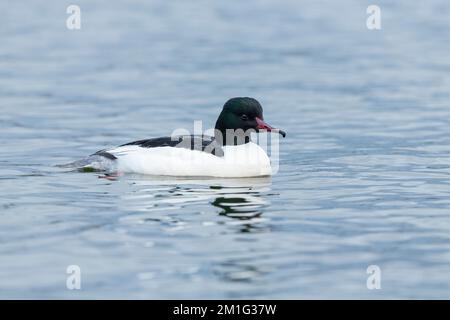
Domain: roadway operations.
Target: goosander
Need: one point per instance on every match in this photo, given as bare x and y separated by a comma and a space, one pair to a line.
229, 153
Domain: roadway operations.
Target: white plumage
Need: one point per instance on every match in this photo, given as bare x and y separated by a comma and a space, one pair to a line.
246, 160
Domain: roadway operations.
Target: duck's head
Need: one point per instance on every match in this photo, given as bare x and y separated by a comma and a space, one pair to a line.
243, 115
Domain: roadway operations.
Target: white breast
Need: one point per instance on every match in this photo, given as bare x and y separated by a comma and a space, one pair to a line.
247, 160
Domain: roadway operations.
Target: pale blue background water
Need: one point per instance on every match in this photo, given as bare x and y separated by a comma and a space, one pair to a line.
364, 176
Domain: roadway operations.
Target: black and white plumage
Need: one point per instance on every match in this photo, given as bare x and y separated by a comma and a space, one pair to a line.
196, 155
193, 142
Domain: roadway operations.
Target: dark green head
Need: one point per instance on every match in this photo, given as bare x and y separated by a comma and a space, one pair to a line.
244, 114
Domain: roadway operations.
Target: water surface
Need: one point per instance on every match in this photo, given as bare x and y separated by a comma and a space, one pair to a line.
364, 171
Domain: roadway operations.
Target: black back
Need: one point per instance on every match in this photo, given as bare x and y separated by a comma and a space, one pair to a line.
193, 142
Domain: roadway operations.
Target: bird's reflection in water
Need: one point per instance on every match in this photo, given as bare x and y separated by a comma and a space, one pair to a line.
246, 208
183, 206
240, 199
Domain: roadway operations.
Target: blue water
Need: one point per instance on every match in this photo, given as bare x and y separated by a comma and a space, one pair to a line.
364, 171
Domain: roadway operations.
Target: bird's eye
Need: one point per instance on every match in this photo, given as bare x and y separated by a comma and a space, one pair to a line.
244, 117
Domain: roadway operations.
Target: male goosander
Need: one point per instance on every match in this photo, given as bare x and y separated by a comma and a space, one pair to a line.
230, 153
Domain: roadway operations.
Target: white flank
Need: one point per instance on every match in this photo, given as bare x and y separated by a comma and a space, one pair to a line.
247, 160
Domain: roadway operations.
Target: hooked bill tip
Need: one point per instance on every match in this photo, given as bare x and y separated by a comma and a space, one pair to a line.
283, 134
